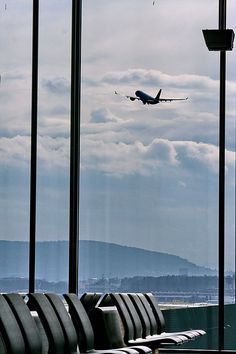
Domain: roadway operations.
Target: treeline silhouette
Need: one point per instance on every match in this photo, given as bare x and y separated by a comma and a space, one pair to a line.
175, 283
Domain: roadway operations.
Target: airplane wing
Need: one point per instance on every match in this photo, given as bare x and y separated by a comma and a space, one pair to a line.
172, 99
132, 98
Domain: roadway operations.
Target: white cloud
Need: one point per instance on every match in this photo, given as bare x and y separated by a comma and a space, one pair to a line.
57, 85
147, 36
53, 153
197, 85
120, 159
103, 115
15, 151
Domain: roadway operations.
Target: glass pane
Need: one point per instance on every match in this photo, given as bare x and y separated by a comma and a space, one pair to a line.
53, 146
230, 211
149, 172
15, 113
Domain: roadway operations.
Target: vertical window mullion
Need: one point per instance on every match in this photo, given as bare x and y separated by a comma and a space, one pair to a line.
75, 144
33, 166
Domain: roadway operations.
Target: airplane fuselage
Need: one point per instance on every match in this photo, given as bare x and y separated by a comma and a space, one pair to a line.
146, 98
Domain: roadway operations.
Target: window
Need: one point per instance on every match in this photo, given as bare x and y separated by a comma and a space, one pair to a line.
149, 173
53, 147
15, 108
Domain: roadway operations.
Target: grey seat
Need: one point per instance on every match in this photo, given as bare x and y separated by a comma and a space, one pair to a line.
149, 321
134, 334
84, 328
51, 324
12, 338
60, 330
26, 322
90, 300
65, 322
149, 302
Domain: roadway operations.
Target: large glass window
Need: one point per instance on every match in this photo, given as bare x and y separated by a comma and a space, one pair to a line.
149, 173
15, 118
53, 146
230, 159
230, 231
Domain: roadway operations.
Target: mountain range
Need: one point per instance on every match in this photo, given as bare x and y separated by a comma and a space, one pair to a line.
97, 260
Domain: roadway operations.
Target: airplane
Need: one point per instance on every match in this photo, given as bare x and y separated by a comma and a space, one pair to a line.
145, 98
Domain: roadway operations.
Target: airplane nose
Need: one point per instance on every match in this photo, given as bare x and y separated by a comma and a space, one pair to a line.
137, 93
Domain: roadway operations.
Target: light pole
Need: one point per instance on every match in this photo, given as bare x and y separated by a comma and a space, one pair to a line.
221, 40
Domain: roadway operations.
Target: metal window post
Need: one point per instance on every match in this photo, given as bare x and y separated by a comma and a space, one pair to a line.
75, 144
222, 26
33, 166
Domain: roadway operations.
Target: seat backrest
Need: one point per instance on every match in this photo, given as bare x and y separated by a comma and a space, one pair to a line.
152, 319
157, 312
96, 299
81, 322
65, 322
116, 300
90, 300
142, 314
104, 300
49, 319
137, 324
3, 349
10, 330
87, 300
26, 323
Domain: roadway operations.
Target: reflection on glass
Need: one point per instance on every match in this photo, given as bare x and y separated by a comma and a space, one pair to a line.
53, 147
15, 108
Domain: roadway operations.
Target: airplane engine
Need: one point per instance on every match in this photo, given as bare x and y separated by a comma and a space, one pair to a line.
132, 98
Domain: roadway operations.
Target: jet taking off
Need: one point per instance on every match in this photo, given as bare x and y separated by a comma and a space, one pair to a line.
145, 98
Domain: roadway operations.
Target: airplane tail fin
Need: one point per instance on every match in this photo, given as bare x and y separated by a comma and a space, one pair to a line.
158, 96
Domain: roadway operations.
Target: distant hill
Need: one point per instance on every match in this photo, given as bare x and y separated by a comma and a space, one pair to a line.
97, 260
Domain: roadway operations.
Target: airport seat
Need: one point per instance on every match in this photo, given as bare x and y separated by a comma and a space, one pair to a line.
89, 300
133, 331
148, 298
11, 335
26, 322
149, 322
85, 330
62, 335
56, 338
65, 320
108, 329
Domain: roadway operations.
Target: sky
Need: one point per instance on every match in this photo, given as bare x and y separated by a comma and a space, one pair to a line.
149, 174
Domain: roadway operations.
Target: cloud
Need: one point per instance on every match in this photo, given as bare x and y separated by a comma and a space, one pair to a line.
103, 115
53, 153
163, 151
15, 151
120, 159
57, 85
158, 79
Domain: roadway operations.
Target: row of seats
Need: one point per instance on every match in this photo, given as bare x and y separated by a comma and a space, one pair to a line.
141, 316
142, 319
41, 323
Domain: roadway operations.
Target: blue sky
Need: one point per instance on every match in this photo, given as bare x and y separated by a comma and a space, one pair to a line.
149, 175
